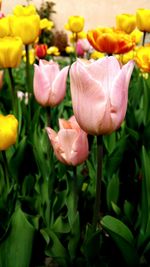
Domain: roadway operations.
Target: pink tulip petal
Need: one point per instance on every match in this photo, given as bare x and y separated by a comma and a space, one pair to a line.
80, 149
119, 94
41, 86
67, 138
51, 69
58, 91
74, 124
64, 124
107, 66
56, 144
86, 90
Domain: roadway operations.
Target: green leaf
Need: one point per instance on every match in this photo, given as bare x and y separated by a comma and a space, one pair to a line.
128, 210
74, 237
110, 142
45, 235
114, 159
144, 212
146, 102
123, 238
61, 225
55, 249
92, 245
113, 191
115, 208
18, 157
16, 248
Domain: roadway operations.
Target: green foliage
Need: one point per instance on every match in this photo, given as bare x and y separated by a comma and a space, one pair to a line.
46, 208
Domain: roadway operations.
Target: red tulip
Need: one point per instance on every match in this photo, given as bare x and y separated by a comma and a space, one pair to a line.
41, 50
49, 83
99, 93
70, 144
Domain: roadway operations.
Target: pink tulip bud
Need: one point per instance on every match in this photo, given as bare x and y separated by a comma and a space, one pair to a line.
99, 91
70, 144
49, 83
82, 47
79, 49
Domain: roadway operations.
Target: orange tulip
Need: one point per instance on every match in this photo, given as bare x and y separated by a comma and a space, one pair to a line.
110, 41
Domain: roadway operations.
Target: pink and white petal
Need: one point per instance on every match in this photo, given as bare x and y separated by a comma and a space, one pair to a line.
66, 139
41, 86
80, 149
58, 91
51, 69
53, 136
74, 124
119, 94
88, 99
64, 124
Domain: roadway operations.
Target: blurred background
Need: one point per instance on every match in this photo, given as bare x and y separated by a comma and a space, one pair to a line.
95, 12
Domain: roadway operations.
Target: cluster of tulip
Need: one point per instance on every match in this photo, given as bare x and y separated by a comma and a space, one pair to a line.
52, 177
126, 40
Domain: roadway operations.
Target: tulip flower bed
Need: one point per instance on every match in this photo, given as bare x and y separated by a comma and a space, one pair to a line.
74, 145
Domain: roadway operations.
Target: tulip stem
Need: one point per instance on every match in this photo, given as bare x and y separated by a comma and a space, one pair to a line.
144, 36
96, 213
28, 81
48, 114
75, 189
5, 168
27, 69
12, 85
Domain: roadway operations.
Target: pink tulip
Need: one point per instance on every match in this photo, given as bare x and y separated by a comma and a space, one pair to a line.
70, 144
82, 47
99, 93
49, 83
79, 49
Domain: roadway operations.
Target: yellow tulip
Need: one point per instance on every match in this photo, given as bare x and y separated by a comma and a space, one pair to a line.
126, 22
8, 131
143, 19
137, 36
73, 37
46, 24
96, 55
126, 57
25, 23
20, 10
10, 52
142, 58
4, 26
75, 24
53, 51
69, 49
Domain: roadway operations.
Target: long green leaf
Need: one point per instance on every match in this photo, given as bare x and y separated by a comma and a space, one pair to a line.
144, 216
16, 248
123, 238
113, 191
